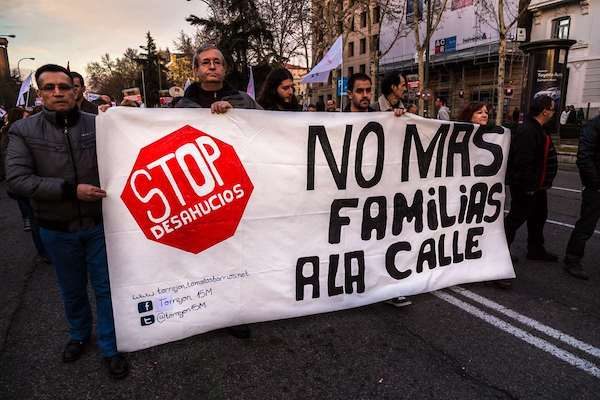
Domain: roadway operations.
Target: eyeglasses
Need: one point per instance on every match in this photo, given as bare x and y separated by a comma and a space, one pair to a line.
51, 87
206, 63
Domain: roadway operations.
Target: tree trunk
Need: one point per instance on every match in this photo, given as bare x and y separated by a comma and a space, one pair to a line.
421, 62
501, 75
501, 62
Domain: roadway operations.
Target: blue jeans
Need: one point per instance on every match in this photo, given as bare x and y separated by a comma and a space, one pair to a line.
74, 255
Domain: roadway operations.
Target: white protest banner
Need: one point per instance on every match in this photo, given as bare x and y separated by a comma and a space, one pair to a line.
219, 220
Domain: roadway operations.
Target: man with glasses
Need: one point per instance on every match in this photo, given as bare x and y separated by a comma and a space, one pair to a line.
211, 90
532, 166
51, 158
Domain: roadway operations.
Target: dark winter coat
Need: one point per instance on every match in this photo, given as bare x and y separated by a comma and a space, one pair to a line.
532, 161
48, 154
196, 97
588, 155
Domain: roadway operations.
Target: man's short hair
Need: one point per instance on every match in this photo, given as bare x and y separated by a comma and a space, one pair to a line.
442, 100
78, 76
358, 76
50, 68
390, 80
202, 49
539, 104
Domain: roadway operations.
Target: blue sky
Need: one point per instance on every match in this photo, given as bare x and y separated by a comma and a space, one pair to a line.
54, 31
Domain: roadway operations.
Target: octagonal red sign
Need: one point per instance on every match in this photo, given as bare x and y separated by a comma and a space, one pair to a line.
187, 190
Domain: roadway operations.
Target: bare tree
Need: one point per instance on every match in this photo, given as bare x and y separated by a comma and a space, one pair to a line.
501, 15
392, 11
286, 19
433, 16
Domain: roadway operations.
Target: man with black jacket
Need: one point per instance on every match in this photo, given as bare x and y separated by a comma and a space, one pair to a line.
213, 92
51, 158
532, 166
588, 162
79, 86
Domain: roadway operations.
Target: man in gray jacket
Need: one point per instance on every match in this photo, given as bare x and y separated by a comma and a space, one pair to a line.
51, 158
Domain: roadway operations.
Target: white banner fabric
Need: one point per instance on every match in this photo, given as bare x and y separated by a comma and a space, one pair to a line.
220, 220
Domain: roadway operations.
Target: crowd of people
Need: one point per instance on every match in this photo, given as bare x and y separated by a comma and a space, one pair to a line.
52, 172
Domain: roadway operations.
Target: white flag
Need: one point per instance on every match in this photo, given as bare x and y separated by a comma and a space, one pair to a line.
250, 88
24, 89
332, 60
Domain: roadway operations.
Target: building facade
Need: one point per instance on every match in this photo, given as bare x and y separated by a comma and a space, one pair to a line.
360, 36
564, 19
463, 56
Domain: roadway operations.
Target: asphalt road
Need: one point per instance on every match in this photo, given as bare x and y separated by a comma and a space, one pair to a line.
539, 340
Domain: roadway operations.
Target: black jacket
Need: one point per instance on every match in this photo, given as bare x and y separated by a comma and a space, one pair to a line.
48, 155
532, 160
588, 155
196, 97
89, 107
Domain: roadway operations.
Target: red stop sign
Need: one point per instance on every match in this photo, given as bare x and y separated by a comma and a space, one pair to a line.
187, 190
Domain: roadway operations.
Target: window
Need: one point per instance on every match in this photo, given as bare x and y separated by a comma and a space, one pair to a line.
363, 46
350, 71
363, 19
560, 28
375, 41
363, 69
376, 14
410, 13
350, 49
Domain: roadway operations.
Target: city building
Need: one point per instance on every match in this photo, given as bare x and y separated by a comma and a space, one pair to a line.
556, 19
463, 55
360, 31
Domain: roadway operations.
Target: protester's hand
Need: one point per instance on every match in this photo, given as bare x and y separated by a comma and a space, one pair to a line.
220, 107
398, 112
87, 192
104, 107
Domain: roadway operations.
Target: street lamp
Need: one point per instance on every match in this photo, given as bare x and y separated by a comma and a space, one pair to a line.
19, 62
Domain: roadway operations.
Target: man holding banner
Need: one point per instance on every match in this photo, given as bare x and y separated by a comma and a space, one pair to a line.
51, 159
213, 92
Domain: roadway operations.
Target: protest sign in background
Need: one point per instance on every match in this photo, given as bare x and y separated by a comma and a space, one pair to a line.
218, 220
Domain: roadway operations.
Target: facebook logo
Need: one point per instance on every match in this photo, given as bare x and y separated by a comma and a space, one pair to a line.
147, 320
144, 306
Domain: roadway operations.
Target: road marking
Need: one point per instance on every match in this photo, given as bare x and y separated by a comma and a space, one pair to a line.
547, 330
565, 189
535, 341
550, 221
